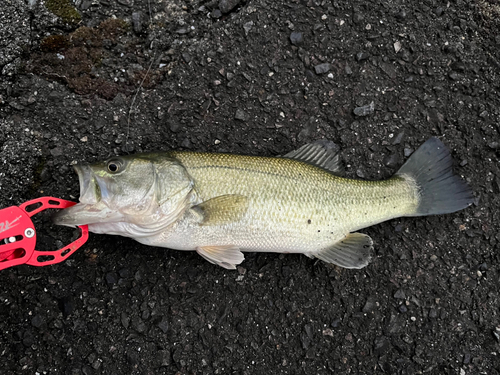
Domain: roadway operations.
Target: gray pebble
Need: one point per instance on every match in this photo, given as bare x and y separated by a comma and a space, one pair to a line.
322, 68
37, 321
391, 161
247, 27
137, 22
296, 38
361, 56
398, 138
216, 13
186, 57
381, 345
226, 6
365, 110
400, 294
401, 15
163, 325
439, 11
138, 324
241, 115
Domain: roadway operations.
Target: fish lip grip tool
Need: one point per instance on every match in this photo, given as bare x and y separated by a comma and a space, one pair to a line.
18, 235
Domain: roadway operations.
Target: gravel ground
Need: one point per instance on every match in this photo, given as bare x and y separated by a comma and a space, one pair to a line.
259, 77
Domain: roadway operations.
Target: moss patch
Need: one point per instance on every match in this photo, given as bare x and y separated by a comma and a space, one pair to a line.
54, 43
74, 58
65, 10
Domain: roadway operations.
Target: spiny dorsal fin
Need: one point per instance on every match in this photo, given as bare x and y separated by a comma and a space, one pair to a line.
227, 256
354, 251
222, 209
320, 153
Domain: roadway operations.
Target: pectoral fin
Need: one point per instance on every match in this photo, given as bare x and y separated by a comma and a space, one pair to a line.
354, 251
225, 256
223, 209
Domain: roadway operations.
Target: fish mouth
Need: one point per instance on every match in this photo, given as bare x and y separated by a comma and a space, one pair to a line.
91, 209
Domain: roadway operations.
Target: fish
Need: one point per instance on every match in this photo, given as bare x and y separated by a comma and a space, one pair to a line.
222, 205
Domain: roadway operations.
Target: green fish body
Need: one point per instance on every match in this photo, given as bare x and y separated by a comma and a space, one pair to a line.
221, 205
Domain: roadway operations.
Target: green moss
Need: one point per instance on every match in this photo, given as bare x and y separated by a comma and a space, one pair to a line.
64, 9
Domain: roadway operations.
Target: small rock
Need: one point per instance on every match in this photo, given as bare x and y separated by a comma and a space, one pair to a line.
164, 357
322, 68
163, 325
496, 333
370, 304
111, 278
381, 345
397, 46
56, 151
186, 57
365, 110
216, 13
401, 15
400, 294
247, 27
391, 161
361, 56
37, 321
358, 18
226, 6
138, 324
296, 38
137, 22
241, 115
348, 70
439, 11
403, 309
398, 138
28, 339
124, 318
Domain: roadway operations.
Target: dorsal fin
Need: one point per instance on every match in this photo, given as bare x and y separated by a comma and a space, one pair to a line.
320, 153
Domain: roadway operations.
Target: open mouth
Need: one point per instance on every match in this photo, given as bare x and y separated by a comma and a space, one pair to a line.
91, 208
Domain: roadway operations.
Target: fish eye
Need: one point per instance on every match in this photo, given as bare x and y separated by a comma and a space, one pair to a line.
114, 166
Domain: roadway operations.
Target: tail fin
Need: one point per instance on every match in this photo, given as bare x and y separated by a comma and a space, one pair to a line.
440, 190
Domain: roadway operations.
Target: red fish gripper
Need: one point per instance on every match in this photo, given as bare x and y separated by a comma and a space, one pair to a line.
18, 235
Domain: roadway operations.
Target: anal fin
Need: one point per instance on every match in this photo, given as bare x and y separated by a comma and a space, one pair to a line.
354, 251
227, 256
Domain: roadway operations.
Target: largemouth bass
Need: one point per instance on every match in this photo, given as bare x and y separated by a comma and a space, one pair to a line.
221, 205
